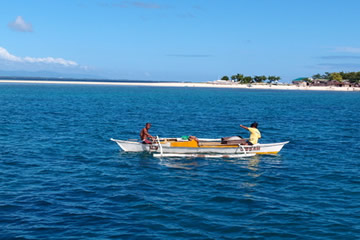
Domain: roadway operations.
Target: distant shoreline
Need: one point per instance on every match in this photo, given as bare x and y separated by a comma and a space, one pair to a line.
187, 84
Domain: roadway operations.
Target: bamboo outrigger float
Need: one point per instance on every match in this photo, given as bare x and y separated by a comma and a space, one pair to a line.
177, 147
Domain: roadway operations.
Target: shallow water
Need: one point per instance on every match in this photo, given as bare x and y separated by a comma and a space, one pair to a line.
61, 177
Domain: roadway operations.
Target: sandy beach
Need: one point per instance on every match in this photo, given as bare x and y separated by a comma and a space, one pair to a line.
191, 84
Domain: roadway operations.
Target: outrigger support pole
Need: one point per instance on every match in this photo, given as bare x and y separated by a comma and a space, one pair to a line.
160, 147
242, 147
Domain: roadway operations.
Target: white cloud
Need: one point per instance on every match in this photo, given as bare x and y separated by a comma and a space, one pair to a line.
4, 54
20, 25
347, 49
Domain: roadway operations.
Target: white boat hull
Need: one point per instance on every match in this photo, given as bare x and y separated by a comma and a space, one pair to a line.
130, 146
269, 148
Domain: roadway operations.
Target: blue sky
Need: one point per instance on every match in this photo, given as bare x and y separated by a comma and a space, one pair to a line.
182, 40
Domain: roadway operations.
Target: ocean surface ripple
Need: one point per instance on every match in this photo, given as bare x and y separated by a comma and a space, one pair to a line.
61, 177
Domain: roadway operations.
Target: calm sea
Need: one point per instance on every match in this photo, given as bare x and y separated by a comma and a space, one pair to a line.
62, 178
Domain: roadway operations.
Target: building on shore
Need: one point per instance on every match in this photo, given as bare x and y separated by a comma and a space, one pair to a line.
301, 82
306, 82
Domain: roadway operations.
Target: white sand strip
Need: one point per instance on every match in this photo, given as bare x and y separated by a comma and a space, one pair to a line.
188, 84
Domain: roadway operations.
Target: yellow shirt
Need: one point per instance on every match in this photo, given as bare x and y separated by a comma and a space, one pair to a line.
254, 136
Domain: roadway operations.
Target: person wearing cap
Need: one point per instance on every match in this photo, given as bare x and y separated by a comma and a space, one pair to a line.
145, 135
254, 133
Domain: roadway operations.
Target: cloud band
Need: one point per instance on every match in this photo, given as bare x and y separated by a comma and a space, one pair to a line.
4, 54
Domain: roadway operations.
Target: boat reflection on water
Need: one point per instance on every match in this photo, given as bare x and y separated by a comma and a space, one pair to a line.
185, 166
179, 163
253, 167
189, 163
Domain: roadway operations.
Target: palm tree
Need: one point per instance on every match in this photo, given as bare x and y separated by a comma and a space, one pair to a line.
226, 78
271, 79
248, 79
239, 77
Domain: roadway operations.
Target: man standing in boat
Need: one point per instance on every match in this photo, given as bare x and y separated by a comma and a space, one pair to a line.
144, 134
254, 133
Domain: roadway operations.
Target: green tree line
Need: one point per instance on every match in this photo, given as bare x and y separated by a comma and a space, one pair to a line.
353, 77
240, 78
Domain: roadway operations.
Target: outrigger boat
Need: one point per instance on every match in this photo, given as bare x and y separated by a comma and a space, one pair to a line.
177, 147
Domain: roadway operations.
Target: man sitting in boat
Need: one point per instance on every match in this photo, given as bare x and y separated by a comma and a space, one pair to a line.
144, 134
254, 133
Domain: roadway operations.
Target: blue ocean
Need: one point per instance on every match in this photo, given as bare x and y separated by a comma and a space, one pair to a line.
62, 178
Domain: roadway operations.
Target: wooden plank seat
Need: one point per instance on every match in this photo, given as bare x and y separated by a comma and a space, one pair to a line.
234, 142
209, 143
